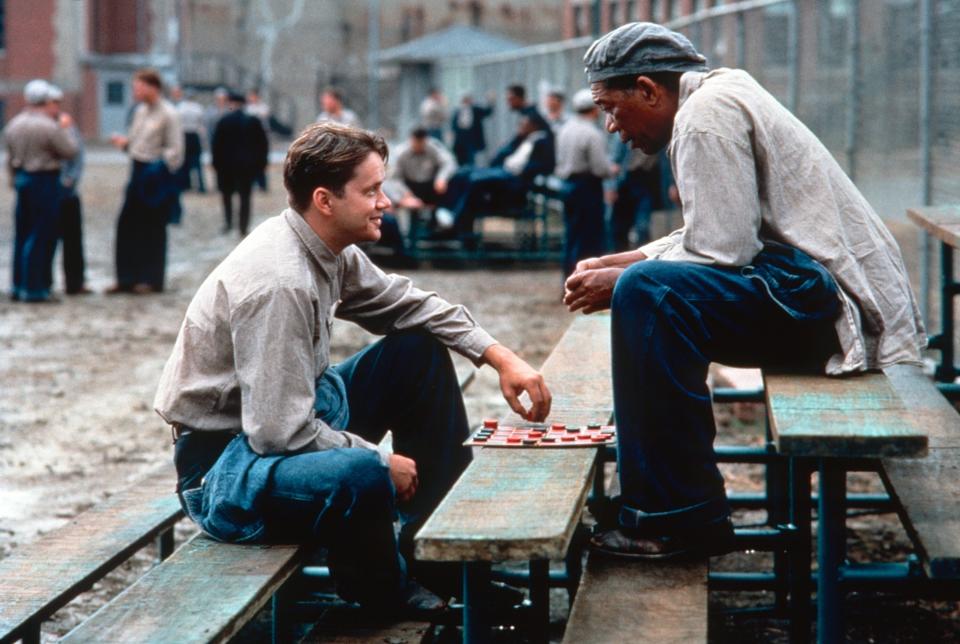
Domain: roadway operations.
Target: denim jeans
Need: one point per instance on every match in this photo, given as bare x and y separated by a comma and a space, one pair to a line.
342, 499
37, 216
670, 320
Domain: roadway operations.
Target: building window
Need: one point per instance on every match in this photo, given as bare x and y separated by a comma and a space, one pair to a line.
776, 34
631, 10
3, 111
656, 11
115, 91
833, 30
613, 14
3, 24
581, 21
673, 6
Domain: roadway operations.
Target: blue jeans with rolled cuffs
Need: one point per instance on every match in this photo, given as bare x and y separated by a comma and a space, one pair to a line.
342, 499
670, 320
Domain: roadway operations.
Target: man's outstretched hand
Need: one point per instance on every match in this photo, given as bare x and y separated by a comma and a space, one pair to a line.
517, 377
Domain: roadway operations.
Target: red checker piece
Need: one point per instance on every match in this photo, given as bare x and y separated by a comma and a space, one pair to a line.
514, 439
491, 423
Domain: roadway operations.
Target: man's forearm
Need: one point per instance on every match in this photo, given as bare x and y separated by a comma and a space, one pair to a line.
622, 260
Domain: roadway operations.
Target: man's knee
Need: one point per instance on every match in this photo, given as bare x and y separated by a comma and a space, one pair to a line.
416, 345
366, 480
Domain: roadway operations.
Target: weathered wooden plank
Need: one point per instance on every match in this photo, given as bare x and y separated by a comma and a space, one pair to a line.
853, 417
928, 489
205, 592
943, 222
38, 578
352, 626
639, 602
524, 504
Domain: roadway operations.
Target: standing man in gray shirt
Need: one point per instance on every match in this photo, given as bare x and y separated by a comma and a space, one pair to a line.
38, 141
780, 260
155, 145
583, 164
275, 444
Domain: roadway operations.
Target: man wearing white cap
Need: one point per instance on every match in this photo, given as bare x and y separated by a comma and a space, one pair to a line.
582, 162
780, 261
37, 142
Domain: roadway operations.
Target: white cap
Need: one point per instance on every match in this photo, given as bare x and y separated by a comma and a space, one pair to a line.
582, 101
54, 93
35, 92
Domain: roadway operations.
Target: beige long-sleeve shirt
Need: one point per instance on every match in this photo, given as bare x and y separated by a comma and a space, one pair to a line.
155, 133
433, 163
748, 170
37, 143
257, 335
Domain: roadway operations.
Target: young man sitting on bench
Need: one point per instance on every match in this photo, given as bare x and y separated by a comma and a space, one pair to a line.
276, 445
780, 260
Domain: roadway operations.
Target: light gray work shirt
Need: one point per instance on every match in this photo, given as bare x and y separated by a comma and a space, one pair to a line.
257, 335
155, 134
37, 143
581, 149
748, 170
433, 163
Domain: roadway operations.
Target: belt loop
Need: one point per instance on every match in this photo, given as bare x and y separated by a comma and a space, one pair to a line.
175, 432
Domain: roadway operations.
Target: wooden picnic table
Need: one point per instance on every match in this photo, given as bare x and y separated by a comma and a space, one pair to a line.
825, 424
943, 222
523, 504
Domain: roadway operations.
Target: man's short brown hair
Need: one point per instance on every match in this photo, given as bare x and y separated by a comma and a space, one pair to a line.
148, 76
326, 155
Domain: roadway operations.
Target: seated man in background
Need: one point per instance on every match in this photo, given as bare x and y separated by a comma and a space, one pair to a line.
506, 182
423, 166
274, 443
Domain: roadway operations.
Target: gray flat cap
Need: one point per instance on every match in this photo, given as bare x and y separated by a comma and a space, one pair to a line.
641, 48
35, 92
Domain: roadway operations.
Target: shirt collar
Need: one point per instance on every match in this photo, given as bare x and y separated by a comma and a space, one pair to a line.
325, 258
689, 83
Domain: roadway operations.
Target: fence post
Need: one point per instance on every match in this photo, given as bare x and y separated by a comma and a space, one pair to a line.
926, 87
853, 86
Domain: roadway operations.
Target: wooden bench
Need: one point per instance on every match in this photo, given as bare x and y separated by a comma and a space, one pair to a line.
525, 505
39, 578
873, 420
206, 591
927, 489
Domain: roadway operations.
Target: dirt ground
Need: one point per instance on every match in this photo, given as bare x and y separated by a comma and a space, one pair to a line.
77, 381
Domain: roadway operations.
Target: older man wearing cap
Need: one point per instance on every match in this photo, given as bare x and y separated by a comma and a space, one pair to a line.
780, 260
38, 141
583, 164
240, 152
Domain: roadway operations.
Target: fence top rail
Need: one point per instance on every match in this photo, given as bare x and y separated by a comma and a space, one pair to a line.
541, 49
722, 10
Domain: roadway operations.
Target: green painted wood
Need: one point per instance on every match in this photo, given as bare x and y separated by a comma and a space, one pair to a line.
38, 578
517, 504
639, 602
927, 489
943, 222
857, 416
205, 592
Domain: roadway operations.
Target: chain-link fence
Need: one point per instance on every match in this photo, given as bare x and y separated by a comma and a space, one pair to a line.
877, 80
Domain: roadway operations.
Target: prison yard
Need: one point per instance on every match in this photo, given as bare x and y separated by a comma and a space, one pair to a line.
77, 428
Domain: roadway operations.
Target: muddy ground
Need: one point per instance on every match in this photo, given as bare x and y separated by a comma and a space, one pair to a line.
77, 380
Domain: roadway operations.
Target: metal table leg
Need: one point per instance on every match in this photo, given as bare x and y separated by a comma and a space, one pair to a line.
540, 598
800, 586
946, 372
831, 550
476, 608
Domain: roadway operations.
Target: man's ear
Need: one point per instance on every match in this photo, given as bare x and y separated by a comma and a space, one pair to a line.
648, 90
322, 200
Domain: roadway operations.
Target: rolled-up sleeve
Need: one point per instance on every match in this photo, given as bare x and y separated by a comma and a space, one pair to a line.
717, 181
384, 303
274, 358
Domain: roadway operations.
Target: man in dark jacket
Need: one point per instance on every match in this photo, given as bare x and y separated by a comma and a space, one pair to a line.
467, 128
239, 156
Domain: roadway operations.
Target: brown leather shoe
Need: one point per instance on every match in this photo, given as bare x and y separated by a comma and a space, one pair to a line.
118, 289
709, 541
143, 289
